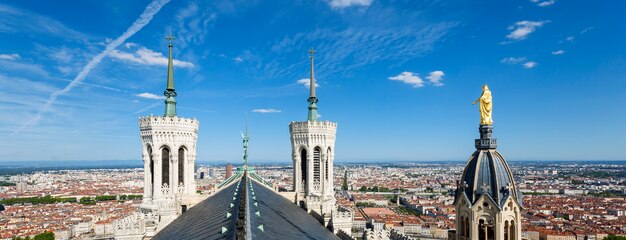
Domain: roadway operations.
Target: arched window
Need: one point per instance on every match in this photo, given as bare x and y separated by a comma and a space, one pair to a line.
513, 231
316, 164
303, 162
165, 164
181, 166
151, 164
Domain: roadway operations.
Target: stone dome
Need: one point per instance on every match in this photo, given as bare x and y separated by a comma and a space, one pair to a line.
487, 172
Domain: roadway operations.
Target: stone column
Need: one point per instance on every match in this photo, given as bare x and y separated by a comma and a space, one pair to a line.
474, 226
174, 172
486, 231
158, 166
147, 194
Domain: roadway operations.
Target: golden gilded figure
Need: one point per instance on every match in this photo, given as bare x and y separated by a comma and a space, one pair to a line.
485, 106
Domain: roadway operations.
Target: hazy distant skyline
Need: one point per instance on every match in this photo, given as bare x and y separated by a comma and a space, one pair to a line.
397, 76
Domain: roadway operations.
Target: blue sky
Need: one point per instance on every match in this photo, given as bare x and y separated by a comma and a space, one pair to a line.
398, 76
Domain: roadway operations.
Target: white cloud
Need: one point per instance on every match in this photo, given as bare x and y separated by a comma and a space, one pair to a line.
238, 59
150, 96
513, 60
266, 110
521, 29
409, 78
570, 38
544, 3
307, 82
530, 64
153, 8
147, 57
12, 56
130, 45
558, 52
435, 78
340, 4
587, 29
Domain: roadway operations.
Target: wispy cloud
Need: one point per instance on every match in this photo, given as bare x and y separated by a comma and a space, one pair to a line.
266, 110
382, 35
145, 18
513, 60
341, 4
238, 59
520, 30
519, 60
570, 38
585, 30
543, 3
558, 52
530, 64
307, 83
10, 56
149, 96
146, 56
17, 20
194, 23
435, 78
409, 78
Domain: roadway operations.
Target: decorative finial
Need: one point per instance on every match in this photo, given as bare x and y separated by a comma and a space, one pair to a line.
170, 93
170, 38
246, 138
312, 98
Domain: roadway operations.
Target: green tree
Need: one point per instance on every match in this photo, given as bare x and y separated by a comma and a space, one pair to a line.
44, 236
87, 201
363, 189
613, 237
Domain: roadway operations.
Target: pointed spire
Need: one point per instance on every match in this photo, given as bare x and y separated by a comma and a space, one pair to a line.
246, 138
312, 98
170, 93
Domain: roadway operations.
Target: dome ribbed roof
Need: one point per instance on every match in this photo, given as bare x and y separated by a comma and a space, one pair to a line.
488, 173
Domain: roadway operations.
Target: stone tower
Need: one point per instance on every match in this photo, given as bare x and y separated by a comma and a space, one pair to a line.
488, 204
169, 154
313, 145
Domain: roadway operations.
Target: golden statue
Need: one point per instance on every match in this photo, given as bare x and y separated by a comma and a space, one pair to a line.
485, 106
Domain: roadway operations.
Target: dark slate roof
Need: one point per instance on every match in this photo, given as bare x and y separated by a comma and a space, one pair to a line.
488, 173
281, 219
206, 219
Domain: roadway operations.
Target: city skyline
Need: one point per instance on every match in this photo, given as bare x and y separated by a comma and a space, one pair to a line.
404, 73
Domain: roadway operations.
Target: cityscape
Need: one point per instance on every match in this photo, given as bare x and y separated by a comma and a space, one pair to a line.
563, 200
320, 119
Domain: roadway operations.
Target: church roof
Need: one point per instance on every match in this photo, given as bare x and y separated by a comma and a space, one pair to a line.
282, 219
487, 173
266, 215
206, 219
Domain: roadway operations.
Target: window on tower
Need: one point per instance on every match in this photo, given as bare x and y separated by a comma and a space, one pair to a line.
181, 166
316, 164
165, 163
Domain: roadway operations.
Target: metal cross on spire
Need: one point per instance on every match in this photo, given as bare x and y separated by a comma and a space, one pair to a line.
169, 37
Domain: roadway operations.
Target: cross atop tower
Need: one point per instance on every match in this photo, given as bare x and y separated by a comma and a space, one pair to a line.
170, 38
312, 53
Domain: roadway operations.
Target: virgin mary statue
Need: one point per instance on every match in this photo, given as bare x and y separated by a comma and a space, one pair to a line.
485, 106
